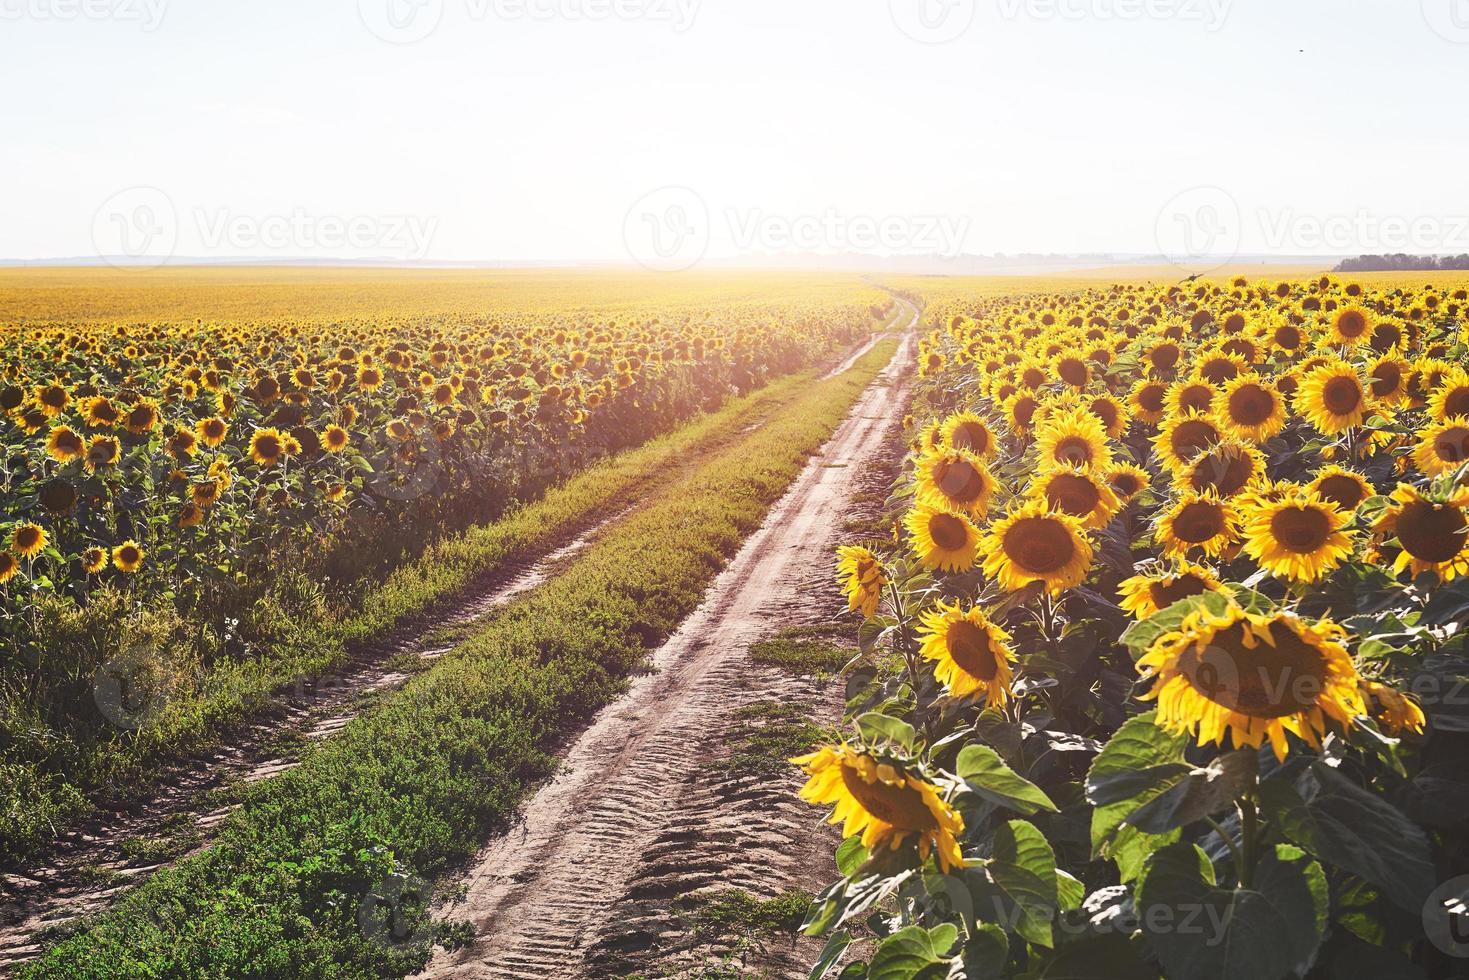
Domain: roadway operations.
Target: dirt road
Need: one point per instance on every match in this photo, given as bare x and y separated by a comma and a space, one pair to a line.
587, 885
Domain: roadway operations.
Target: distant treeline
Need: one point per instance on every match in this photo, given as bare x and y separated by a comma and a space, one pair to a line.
1404, 263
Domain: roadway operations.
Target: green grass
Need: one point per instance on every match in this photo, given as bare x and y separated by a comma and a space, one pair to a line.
766, 735
36, 804
415, 786
802, 657
739, 914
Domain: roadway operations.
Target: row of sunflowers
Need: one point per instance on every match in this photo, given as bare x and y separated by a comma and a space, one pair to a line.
199, 465
1163, 672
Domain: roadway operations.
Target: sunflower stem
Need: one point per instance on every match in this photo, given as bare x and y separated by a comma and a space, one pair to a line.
1249, 832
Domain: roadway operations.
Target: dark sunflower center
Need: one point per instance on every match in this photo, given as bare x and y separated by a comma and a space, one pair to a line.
972, 436
1300, 529
1288, 338
1262, 681
269, 447
1039, 545
1251, 405
1170, 590
1220, 370
1343, 491
1073, 372
1457, 403
959, 480
27, 538
900, 806
1386, 379
969, 645
1198, 522
68, 441
1126, 483
1076, 495
1341, 396
1351, 324
1151, 398
1385, 336
1073, 450
58, 496
1196, 398
1192, 437
1106, 412
947, 531
1024, 410
1165, 355
1227, 474
1432, 532
128, 555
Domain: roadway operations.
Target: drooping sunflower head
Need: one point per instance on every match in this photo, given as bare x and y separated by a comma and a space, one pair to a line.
1227, 468
1432, 531
1332, 398
971, 655
1197, 522
941, 539
1252, 677
1073, 439
1149, 593
956, 480
862, 578
1298, 538
1394, 711
1250, 409
970, 432
1034, 543
1183, 438
1084, 494
887, 802
1443, 446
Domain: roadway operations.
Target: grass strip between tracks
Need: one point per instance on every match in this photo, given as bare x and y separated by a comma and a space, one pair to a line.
308, 878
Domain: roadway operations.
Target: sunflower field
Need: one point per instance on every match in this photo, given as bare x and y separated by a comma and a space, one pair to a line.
1163, 670
191, 493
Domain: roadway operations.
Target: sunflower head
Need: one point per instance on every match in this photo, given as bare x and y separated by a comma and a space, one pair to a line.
1250, 409
1075, 439
1251, 677
971, 655
9, 565
28, 540
955, 479
1394, 711
1086, 495
862, 577
1298, 537
1149, 593
1183, 438
969, 432
128, 556
1431, 529
886, 801
1342, 487
1034, 543
1443, 446
1332, 398
1227, 468
1197, 522
941, 539
95, 560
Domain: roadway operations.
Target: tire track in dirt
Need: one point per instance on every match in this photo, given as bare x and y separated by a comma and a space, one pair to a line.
558, 897
90, 867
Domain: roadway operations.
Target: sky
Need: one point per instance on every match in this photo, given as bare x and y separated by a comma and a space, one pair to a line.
669, 132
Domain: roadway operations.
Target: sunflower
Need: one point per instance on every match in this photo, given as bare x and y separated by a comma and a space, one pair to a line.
211, 431
28, 540
9, 565
53, 399
1033, 543
128, 556
1111, 413
1198, 521
1147, 594
1182, 438
1252, 676
141, 418
1450, 397
955, 480
862, 577
1350, 326
94, 560
1250, 409
1433, 532
191, 515
1394, 711
967, 431
205, 493
102, 452
1084, 495
334, 439
1128, 480
1443, 446
182, 443
944, 541
268, 447
1341, 486
65, 445
1388, 379
884, 802
1147, 401
1299, 538
1227, 468
1073, 439
1191, 396
1020, 409
1332, 398
971, 655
